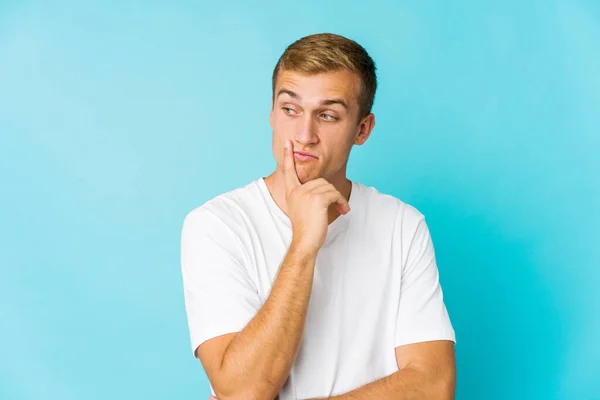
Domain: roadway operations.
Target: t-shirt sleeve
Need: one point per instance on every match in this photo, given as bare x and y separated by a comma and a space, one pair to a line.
219, 294
422, 314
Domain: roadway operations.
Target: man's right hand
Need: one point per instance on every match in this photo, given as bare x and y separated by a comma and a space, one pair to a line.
308, 205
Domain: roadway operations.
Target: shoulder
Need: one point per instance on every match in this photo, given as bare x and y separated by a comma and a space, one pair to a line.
379, 205
226, 209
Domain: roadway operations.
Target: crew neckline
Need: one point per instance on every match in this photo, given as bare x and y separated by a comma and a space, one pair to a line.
333, 228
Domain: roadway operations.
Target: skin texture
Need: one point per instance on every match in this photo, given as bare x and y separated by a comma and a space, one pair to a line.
316, 115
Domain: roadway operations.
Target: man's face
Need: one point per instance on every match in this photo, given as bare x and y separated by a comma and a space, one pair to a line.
319, 114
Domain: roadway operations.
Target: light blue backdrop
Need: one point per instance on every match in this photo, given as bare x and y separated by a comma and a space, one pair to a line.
117, 118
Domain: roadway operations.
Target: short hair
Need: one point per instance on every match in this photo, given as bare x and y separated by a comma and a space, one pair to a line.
328, 52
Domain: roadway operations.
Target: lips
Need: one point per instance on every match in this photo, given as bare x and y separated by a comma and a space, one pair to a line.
303, 154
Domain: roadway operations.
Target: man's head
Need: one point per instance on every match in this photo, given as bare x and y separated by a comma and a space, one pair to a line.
323, 91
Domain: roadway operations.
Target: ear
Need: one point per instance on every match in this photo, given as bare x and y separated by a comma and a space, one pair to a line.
366, 127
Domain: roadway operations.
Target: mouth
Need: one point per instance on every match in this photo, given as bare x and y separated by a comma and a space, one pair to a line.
303, 156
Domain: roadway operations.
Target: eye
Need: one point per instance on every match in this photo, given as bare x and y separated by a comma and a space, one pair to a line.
329, 117
287, 110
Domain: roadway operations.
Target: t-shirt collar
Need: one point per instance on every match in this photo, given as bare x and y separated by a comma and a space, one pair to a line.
338, 225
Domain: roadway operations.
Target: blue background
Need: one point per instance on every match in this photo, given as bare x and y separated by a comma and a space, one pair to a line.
117, 118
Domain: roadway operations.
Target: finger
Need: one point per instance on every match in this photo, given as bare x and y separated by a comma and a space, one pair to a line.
342, 205
289, 167
314, 184
341, 209
334, 196
212, 397
320, 186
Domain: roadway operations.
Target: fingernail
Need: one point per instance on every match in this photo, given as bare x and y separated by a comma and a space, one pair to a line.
286, 144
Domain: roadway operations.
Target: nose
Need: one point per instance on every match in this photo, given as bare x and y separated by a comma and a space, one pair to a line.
306, 131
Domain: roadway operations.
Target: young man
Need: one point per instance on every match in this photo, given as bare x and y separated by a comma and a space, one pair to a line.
305, 284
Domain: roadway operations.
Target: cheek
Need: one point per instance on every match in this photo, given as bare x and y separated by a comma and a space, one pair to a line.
275, 145
279, 128
338, 152
277, 142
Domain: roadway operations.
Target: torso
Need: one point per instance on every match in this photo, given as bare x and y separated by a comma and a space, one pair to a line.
348, 339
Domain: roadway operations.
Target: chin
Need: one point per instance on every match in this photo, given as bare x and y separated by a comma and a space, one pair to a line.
305, 177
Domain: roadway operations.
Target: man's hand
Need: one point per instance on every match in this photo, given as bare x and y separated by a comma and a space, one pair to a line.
308, 205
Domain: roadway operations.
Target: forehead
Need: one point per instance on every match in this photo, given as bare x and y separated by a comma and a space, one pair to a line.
324, 85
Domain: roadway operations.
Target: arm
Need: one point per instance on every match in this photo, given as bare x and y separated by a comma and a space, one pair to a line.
426, 372
424, 343
256, 362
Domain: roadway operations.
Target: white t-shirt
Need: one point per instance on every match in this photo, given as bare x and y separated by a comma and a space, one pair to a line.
376, 283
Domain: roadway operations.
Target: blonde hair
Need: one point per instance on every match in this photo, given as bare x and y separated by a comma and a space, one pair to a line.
328, 52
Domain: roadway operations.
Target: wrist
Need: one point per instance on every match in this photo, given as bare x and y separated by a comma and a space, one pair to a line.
303, 252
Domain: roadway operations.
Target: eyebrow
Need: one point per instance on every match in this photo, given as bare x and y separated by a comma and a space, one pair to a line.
326, 102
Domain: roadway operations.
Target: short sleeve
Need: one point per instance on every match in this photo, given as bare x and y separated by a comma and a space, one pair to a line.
219, 295
422, 314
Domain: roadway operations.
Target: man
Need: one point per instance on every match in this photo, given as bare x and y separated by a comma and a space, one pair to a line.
305, 284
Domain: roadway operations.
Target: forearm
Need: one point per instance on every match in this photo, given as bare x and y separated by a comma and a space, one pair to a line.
258, 360
405, 384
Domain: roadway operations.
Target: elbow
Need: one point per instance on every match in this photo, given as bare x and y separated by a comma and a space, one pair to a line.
230, 392
227, 394
261, 391
444, 387
434, 385
232, 396
242, 395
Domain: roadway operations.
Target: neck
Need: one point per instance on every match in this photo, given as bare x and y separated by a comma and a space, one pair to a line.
276, 186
